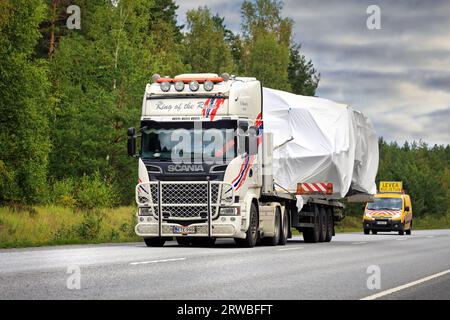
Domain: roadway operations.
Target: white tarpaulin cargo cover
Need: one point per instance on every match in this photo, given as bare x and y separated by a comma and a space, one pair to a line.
318, 140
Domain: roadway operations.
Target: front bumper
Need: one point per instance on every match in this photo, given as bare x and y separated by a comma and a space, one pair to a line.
385, 225
230, 227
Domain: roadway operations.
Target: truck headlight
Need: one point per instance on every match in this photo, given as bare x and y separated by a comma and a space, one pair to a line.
227, 211
144, 211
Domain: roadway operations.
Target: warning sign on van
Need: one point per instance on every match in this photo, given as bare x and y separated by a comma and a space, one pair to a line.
391, 186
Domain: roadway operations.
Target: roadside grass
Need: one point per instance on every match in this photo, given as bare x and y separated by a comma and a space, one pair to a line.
23, 226
26, 226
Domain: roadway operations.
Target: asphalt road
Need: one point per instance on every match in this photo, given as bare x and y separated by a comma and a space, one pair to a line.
336, 270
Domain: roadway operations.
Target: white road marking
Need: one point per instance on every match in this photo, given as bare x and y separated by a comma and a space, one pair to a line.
429, 236
361, 242
405, 286
401, 239
156, 261
288, 249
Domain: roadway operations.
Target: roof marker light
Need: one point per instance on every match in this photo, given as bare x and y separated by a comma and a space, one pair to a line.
193, 85
208, 85
179, 86
165, 86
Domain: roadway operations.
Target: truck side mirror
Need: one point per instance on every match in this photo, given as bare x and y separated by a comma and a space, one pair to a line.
131, 143
406, 208
251, 142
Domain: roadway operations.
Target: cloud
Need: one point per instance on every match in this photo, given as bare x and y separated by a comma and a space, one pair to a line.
399, 76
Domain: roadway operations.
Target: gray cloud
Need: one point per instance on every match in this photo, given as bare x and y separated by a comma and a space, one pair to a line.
399, 76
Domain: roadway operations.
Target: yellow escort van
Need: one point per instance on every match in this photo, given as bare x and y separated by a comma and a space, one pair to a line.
390, 210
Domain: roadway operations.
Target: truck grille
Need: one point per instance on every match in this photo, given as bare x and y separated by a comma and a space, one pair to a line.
183, 201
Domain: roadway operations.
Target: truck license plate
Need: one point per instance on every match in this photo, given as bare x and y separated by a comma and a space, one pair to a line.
184, 230
381, 222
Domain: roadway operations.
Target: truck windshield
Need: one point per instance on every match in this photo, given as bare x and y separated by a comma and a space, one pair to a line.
385, 204
184, 142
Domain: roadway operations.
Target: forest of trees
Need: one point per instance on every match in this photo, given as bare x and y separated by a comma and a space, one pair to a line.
68, 95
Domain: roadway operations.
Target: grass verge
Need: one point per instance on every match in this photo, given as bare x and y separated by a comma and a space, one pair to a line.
23, 226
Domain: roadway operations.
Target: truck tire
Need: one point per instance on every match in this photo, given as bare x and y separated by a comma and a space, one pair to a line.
409, 231
275, 239
322, 223
401, 233
284, 234
374, 231
154, 242
330, 225
252, 233
366, 231
311, 235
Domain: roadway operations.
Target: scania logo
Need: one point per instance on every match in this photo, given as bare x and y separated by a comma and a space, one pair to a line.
185, 167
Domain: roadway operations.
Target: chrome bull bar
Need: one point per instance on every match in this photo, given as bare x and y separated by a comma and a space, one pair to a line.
184, 201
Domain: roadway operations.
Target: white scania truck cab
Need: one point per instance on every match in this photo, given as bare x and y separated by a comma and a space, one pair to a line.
205, 168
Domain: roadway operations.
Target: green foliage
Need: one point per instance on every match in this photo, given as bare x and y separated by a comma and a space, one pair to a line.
93, 192
206, 48
24, 104
303, 78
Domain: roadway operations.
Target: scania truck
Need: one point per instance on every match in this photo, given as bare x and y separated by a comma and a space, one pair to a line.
205, 168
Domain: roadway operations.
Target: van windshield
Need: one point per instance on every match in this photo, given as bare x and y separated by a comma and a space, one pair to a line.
385, 204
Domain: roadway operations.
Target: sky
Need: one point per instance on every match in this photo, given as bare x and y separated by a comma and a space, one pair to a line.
398, 76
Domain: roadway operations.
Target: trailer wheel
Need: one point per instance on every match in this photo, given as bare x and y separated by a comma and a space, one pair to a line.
284, 234
275, 239
252, 232
366, 231
323, 224
311, 235
330, 225
154, 242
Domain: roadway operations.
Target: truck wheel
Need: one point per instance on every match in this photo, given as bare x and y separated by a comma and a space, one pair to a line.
408, 232
374, 231
330, 225
323, 224
401, 232
311, 235
275, 239
252, 233
183, 241
284, 228
154, 242
366, 231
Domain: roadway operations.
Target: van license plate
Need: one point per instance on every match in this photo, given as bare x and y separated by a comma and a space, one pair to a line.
184, 230
381, 222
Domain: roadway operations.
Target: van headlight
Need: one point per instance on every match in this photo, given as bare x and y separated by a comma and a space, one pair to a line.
228, 211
